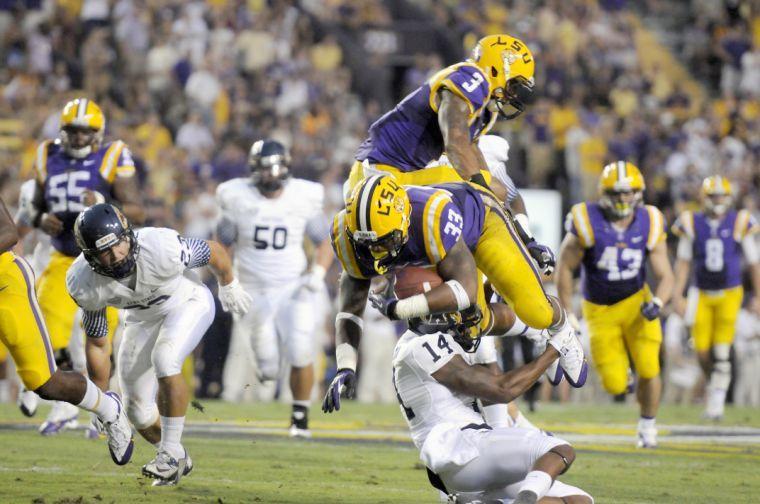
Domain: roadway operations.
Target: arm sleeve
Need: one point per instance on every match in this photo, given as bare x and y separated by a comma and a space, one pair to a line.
226, 231
199, 252
684, 251
511, 188
317, 228
95, 323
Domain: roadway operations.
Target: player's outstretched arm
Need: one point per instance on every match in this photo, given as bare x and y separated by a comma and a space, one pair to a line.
232, 295
481, 382
465, 157
8, 231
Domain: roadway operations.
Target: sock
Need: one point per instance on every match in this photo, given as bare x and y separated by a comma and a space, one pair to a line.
5, 391
496, 415
171, 435
646, 422
96, 401
300, 414
523, 422
519, 328
537, 482
303, 403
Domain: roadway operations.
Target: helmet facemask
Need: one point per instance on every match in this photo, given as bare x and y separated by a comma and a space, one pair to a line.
717, 204
620, 204
80, 141
269, 173
379, 254
511, 100
462, 326
121, 269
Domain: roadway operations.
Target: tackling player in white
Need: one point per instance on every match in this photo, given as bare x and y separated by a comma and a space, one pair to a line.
264, 220
167, 313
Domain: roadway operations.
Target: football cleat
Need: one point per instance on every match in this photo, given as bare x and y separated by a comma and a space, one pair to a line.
119, 434
166, 470
62, 416
27, 402
96, 430
571, 358
647, 437
299, 423
553, 373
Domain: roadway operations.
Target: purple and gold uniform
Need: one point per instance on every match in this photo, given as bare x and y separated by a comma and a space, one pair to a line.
64, 180
613, 283
716, 253
404, 140
443, 214
22, 327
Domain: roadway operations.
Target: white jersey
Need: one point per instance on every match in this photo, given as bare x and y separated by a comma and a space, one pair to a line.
160, 285
426, 403
269, 233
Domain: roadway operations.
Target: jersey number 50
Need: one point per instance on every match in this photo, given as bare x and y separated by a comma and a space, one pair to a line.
263, 238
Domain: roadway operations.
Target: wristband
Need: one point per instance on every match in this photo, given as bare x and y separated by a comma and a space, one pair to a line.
463, 300
657, 301
318, 271
346, 357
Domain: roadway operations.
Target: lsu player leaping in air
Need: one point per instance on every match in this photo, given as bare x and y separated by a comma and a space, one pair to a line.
610, 240
75, 171
168, 310
448, 114
23, 333
386, 227
714, 240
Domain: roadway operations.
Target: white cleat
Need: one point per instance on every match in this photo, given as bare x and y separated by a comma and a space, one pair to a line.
166, 470
119, 434
647, 437
62, 416
27, 402
571, 358
553, 373
296, 432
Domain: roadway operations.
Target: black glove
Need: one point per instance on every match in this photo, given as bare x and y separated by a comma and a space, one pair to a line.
544, 257
385, 305
344, 384
651, 309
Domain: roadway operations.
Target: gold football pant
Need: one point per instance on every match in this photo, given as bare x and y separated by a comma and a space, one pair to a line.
618, 330
714, 319
22, 328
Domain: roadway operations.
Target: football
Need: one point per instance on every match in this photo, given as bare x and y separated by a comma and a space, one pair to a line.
415, 280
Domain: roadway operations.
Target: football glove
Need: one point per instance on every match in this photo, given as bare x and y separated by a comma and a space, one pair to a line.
651, 309
385, 305
543, 255
344, 384
234, 298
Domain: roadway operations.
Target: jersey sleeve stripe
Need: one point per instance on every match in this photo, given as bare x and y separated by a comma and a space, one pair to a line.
40, 161
430, 229
107, 167
655, 227
740, 225
583, 225
343, 248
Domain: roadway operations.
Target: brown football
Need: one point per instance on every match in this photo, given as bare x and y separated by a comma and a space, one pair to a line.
415, 280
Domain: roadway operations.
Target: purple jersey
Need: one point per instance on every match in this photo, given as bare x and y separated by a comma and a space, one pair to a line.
441, 215
716, 246
613, 266
65, 178
408, 137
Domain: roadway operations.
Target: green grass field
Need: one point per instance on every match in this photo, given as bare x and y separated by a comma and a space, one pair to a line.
270, 468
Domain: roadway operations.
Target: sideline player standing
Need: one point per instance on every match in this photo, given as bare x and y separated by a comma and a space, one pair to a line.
714, 241
23, 333
610, 240
264, 220
167, 314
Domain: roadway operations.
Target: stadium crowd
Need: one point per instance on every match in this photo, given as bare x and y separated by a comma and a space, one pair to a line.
189, 85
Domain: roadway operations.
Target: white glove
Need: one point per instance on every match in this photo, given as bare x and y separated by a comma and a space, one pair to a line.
234, 298
314, 279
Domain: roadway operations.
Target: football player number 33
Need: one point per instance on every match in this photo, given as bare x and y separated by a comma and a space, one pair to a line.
611, 259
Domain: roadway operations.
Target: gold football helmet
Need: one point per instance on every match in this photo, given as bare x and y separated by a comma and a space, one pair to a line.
377, 221
716, 194
81, 127
621, 189
509, 67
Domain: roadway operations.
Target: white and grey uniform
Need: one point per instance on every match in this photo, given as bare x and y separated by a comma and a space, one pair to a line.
168, 310
473, 460
267, 236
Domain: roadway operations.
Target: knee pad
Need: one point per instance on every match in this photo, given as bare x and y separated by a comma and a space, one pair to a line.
140, 414
268, 370
165, 360
614, 383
